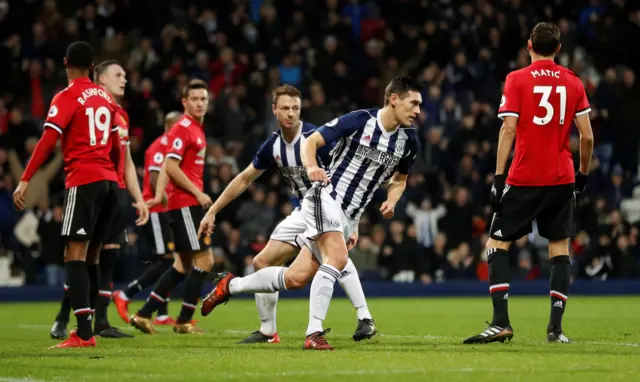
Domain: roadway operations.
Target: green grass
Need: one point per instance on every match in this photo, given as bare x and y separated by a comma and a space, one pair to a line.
418, 340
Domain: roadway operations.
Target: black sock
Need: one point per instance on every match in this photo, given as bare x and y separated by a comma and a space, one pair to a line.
558, 288
499, 285
108, 260
94, 284
65, 305
192, 290
163, 288
148, 277
163, 310
78, 277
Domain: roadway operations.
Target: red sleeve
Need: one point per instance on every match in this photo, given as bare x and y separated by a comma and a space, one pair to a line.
115, 143
60, 113
583, 106
157, 158
42, 151
178, 142
510, 102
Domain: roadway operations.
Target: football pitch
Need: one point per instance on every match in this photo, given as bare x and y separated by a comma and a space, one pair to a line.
418, 340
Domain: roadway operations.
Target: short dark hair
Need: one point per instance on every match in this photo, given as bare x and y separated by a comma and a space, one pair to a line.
101, 68
80, 55
285, 90
401, 86
545, 39
192, 85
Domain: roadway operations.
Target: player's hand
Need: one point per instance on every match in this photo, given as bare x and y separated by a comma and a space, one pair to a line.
204, 200
496, 192
207, 225
317, 174
19, 193
143, 212
581, 182
387, 209
353, 240
154, 202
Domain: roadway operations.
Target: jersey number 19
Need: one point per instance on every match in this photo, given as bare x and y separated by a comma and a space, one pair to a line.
544, 102
99, 118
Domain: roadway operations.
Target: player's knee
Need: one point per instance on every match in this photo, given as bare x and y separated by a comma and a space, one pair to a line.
493, 243
260, 262
558, 248
179, 266
204, 260
296, 280
111, 246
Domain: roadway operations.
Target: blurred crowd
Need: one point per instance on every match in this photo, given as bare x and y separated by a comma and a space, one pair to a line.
340, 54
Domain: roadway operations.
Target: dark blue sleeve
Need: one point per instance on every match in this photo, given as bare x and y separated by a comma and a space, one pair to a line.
264, 157
343, 126
404, 167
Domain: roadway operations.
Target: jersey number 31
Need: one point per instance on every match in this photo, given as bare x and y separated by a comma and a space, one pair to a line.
99, 118
544, 102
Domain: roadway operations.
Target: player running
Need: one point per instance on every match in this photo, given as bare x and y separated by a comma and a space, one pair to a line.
84, 115
282, 152
538, 108
158, 231
184, 165
374, 146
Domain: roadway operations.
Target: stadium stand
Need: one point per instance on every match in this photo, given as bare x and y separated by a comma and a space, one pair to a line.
340, 54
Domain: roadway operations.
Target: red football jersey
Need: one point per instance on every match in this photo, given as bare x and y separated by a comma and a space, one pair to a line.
545, 98
83, 113
187, 143
122, 123
153, 160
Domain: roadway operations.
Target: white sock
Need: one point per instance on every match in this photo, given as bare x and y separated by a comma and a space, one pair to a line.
266, 303
266, 280
320, 298
350, 282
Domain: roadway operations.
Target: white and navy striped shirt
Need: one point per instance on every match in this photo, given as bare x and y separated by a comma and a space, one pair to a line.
365, 156
284, 156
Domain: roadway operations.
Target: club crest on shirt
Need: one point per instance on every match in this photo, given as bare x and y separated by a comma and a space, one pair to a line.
400, 146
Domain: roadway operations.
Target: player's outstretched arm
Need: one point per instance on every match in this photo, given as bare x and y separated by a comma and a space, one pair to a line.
397, 185
238, 185
308, 154
586, 142
173, 170
505, 142
42, 151
131, 179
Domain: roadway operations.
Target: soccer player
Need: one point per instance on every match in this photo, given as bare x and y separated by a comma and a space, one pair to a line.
539, 105
374, 146
281, 151
184, 165
112, 78
159, 231
83, 114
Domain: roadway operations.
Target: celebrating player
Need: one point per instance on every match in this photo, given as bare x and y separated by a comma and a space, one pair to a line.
538, 107
184, 165
282, 152
111, 77
158, 232
84, 115
374, 146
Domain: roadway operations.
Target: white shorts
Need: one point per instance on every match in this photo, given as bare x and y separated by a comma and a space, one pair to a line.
323, 214
292, 226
